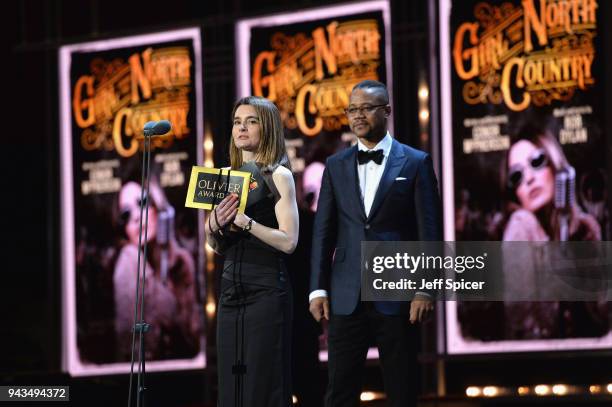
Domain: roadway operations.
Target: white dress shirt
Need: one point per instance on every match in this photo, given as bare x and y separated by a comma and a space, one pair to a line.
369, 174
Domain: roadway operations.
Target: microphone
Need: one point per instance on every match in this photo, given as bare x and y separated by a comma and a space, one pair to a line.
165, 225
149, 126
565, 188
157, 128
565, 198
165, 234
161, 127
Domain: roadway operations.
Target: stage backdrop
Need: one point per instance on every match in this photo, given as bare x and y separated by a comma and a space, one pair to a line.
522, 105
307, 62
108, 90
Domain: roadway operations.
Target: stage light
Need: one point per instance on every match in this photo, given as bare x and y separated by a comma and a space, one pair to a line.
423, 92
367, 396
523, 390
609, 388
211, 307
595, 389
210, 258
560, 389
424, 114
542, 390
371, 395
473, 391
490, 391
208, 145
294, 399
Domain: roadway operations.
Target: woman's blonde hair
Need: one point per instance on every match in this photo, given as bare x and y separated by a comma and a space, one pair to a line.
272, 151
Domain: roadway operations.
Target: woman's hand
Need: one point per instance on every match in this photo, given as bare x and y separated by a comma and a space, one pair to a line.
241, 220
584, 227
224, 213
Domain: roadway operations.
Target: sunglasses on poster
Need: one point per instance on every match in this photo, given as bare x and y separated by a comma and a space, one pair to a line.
537, 161
125, 214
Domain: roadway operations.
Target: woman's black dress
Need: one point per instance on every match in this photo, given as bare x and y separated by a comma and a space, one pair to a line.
255, 311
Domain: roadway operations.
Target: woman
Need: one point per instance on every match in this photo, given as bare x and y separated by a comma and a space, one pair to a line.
254, 313
532, 162
528, 176
170, 296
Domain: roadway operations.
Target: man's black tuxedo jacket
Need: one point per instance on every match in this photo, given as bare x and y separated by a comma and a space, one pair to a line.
406, 207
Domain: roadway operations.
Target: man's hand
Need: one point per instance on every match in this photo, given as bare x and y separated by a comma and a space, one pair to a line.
420, 308
319, 308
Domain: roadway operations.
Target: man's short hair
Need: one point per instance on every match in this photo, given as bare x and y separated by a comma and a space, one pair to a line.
378, 86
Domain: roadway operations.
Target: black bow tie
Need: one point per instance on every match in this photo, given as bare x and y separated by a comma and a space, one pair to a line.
364, 156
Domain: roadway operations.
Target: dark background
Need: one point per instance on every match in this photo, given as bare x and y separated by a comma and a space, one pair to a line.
30, 288
30, 332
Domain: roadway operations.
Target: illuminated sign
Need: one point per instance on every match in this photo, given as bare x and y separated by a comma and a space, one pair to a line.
532, 53
307, 63
310, 77
520, 76
108, 90
112, 103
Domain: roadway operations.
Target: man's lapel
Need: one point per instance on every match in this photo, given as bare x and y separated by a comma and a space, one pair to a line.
396, 161
351, 181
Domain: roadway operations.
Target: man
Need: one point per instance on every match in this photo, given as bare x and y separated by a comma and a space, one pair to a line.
379, 190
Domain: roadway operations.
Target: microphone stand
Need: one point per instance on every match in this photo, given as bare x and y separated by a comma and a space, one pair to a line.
565, 199
140, 326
